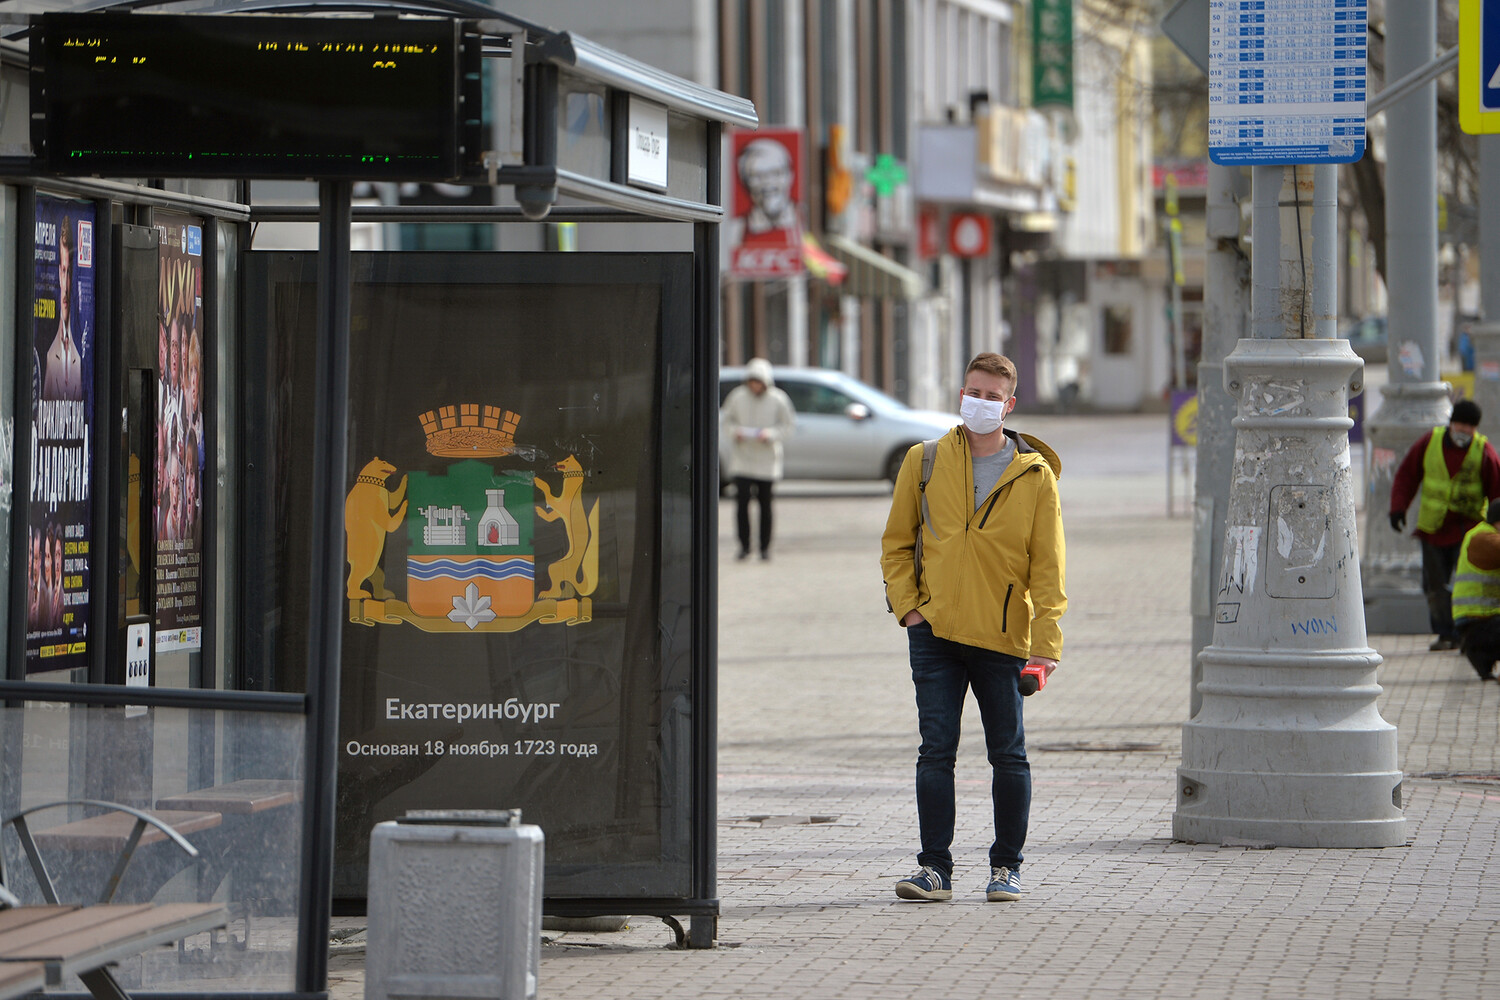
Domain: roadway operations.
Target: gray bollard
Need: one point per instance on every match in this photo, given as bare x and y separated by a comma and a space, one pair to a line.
455, 906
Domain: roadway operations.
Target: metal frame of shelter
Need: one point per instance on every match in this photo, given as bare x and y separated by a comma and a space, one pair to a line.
551, 60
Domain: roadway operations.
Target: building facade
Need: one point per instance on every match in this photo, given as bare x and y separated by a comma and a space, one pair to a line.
947, 206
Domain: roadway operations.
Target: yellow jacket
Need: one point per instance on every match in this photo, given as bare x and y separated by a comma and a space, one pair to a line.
991, 577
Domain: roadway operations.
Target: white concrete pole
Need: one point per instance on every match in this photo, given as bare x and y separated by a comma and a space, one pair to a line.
796, 321
1414, 401
1325, 252
1265, 253
1287, 746
843, 13
1226, 303
849, 334
795, 82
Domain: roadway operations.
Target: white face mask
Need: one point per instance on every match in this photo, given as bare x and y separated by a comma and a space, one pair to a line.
1462, 440
982, 416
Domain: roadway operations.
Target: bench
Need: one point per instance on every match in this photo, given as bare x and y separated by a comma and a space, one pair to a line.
238, 798
102, 847
20, 978
246, 807
39, 945
53, 941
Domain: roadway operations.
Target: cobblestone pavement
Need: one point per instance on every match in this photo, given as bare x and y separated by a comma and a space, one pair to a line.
817, 815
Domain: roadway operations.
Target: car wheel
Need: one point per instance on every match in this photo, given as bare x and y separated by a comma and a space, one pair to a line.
893, 463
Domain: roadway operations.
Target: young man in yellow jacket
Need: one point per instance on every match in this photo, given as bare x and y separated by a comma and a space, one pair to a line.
980, 599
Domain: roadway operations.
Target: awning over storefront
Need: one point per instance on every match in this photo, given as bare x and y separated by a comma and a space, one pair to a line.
873, 275
820, 263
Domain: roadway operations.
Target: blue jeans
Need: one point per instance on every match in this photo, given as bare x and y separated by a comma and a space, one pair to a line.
942, 672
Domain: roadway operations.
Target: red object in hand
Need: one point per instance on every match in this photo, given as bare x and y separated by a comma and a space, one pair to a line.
1033, 679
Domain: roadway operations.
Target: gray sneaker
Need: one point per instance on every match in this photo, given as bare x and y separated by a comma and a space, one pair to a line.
1005, 885
929, 884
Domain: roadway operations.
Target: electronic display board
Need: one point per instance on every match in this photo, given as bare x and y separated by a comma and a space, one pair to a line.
158, 95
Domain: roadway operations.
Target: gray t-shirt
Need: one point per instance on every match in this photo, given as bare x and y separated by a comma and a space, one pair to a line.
987, 470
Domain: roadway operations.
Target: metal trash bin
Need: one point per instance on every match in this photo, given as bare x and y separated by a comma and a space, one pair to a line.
455, 906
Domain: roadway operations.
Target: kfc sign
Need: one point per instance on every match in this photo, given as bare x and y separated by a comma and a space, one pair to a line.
765, 227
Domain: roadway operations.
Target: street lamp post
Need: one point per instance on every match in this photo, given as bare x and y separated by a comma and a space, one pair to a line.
1287, 746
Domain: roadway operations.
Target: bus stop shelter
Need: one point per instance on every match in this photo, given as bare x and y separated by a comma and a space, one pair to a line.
298, 540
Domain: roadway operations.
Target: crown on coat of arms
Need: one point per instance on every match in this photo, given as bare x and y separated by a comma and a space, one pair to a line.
470, 430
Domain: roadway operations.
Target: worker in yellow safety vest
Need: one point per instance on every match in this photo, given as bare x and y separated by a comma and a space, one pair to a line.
1458, 473
1476, 594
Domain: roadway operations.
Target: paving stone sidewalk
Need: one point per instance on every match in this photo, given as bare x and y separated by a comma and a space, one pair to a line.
817, 818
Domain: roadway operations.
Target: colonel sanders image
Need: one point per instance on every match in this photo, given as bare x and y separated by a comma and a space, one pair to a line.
765, 168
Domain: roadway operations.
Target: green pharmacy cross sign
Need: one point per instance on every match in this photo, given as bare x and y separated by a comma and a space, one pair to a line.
886, 174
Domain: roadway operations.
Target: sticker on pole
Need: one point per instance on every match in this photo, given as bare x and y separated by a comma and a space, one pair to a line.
1286, 81
1479, 66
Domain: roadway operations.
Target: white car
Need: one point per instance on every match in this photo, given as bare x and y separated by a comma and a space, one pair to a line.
845, 428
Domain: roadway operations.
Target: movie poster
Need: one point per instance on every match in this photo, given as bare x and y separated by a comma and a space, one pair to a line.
181, 451
62, 437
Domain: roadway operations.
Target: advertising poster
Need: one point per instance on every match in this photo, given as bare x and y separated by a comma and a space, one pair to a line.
764, 233
180, 448
62, 437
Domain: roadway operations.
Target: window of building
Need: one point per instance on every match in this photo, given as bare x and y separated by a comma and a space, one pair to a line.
1118, 329
1011, 65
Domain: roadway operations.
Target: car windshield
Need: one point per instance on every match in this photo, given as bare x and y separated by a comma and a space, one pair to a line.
892, 401
817, 397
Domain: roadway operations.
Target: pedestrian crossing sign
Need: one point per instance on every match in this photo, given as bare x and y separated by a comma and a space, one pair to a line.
1479, 66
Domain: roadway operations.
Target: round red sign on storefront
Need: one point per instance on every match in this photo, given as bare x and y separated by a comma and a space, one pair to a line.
969, 234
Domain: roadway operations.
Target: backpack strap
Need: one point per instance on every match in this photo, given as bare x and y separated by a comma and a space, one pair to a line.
929, 458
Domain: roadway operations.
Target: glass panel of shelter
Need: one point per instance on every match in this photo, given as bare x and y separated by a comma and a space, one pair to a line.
230, 781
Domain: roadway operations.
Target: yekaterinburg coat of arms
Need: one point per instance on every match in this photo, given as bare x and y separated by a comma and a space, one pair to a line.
470, 564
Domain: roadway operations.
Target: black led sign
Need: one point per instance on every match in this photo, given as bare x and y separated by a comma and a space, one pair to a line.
158, 95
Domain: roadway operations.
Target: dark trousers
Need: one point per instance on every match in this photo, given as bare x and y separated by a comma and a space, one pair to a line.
743, 485
1438, 564
944, 672
1479, 640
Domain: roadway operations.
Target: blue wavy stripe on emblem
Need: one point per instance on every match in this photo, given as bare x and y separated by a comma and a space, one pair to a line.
450, 569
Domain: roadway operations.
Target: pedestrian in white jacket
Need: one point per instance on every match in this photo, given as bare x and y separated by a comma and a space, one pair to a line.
757, 417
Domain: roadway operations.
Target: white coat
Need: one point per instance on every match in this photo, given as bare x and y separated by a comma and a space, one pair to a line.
755, 425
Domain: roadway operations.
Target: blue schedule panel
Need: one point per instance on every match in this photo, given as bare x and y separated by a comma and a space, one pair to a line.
1286, 81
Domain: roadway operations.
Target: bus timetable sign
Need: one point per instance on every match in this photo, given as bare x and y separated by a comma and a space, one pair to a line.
156, 95
1286, 81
